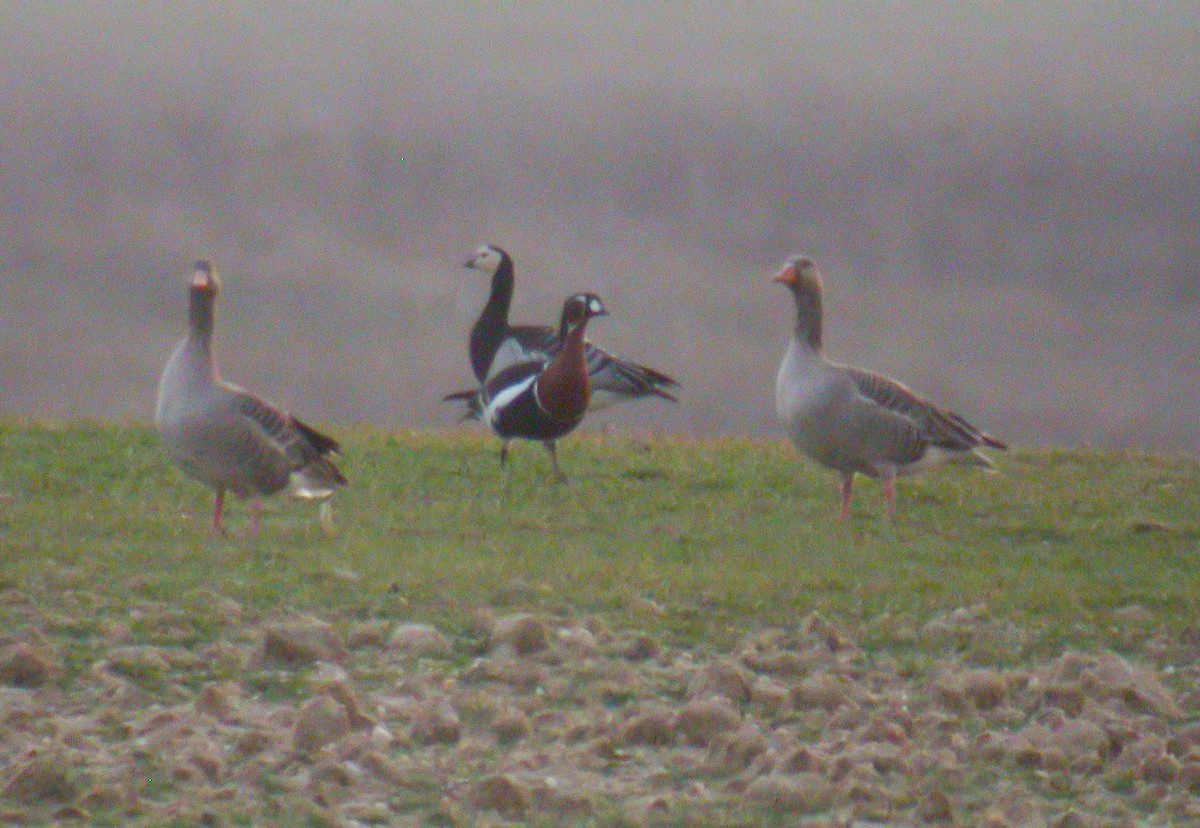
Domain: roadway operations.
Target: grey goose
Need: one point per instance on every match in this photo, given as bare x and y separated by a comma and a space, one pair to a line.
228, 438
854, 421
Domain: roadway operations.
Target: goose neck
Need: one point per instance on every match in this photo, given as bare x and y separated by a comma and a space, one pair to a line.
202, 317
492, 324
573, 343
808, 318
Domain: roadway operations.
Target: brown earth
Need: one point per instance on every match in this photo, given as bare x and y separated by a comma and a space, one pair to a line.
554, 720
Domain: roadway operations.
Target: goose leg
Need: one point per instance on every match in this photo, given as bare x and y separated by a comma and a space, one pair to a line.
325, 516
503, 453
846, 487
889, 494
255, 510
552, 447
218, 525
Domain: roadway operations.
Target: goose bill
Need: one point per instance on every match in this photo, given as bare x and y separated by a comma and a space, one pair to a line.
786, 275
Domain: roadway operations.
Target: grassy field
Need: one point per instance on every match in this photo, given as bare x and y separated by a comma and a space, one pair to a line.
721, 535
984, 591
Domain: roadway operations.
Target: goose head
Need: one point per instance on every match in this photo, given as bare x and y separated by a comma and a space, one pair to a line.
578, 309
488, 258
205, 279
203, 288
800, 274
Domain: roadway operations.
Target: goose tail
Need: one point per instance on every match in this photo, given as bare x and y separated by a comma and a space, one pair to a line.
474, 403
316, 481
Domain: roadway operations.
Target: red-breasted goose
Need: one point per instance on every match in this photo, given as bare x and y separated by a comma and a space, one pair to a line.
225, 436
544, 400
495, 344
855, 421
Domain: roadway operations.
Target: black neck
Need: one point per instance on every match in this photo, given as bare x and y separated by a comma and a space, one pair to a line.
492, 326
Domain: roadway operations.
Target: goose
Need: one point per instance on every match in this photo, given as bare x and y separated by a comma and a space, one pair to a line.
228, 438
854, 421
495, 344
541, 399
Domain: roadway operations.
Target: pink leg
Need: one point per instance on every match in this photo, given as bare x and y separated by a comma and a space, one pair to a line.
255, 511
218, 526
847, 485
889, 493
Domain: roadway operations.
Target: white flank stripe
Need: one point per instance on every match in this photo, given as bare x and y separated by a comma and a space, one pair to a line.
504, 398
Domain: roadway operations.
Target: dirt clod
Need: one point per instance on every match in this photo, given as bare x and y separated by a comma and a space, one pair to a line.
700, 720
321, 721
651, 727
43, 777
298, 642
499, 793
419, 640
639, 648
27, 665
217, 699
936, 808
436, 724
522, 634
823, 691
802, 793
720, 678
511, 727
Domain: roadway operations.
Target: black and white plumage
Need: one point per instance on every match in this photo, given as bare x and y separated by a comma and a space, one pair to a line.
228, 438
542, 399
855, 421
495, 344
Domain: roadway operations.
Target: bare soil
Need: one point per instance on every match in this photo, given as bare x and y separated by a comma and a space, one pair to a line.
556, 720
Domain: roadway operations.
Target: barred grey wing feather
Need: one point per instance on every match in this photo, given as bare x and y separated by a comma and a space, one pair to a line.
939, 427
876, 432
277, 426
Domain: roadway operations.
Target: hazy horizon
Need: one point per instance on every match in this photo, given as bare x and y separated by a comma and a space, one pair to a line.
1004, 201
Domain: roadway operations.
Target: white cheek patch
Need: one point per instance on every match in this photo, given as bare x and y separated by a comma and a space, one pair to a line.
504, 398
595, 307
487, 259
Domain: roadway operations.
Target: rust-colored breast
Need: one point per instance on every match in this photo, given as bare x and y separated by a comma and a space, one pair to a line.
563, 390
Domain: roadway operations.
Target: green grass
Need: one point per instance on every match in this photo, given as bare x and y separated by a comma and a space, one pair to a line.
724, 535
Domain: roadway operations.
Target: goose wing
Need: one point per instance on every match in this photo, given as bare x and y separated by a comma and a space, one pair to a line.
939, 427
279, 429
611, 376
523, 343
615, 379
280, 450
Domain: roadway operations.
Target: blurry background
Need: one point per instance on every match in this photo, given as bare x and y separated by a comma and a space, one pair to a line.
1005, 200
